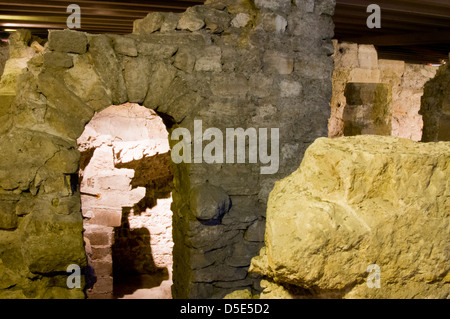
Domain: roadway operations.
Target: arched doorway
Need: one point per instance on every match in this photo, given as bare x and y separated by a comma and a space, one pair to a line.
126, 183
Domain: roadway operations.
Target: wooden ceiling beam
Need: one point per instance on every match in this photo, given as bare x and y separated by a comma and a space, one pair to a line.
424, 8
405, 39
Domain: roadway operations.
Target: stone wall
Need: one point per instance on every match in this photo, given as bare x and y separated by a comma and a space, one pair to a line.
230, 63
435, 107
360, 64
357, 204
126, 185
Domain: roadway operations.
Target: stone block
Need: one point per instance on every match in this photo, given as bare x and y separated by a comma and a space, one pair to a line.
367, 56
290, 88
273, 5
241, 20
191, 20
136, 78
364, 75
278, 62
271, 22
229, 86
67, 41
209, 203
151, 23
392, 66
210, 60
107, 67
106, 217
8, 217
256, 231
359, 201
125, 45
100, 235
58, 60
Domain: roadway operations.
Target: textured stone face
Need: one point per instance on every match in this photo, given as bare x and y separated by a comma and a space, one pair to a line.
359, 201
360, 64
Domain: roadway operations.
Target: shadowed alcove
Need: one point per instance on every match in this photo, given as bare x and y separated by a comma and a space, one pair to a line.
126, 184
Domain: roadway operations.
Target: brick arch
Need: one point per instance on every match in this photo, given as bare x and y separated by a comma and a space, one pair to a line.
232, 64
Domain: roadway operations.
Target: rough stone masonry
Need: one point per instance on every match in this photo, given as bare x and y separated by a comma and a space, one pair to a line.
229, 63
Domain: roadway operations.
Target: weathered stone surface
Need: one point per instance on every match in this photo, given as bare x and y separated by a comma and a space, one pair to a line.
210, 60
209, 203
191, 20
359, 63
359, 201
239, 294
8, 217
67, 41
125, 46
151, 23
58, 60
52, 242
107, 67
368, 109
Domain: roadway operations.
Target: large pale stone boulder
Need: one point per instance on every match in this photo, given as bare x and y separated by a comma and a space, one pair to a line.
356, 202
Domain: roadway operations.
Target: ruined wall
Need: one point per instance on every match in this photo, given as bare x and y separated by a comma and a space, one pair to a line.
435, 107
360, 64
230, 63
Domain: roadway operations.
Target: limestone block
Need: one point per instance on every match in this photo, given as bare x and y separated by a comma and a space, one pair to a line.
272, 22
215, 20
239, 294
184, 60
290, 88
368, 109
82, 80
99, 235
367, 56
107, 67
125, 46
325, 7
278, 62
364, 75
136, 78
241, 20
8, 217
67, 41
392, 66
170, 22
151, 23
273, 5
191, 20
210, 60
345, 55
58, 60
256, 231
230, 86
358, 201
106, 217
272, 290
52, 242
209, 203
